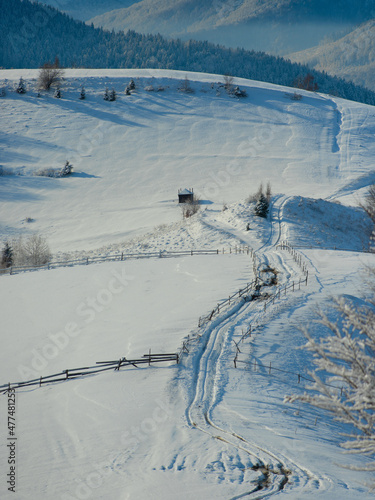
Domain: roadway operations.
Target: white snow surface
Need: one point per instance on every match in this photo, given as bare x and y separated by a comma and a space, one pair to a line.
202, 428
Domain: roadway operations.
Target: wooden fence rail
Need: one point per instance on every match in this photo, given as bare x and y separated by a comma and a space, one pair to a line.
124, 256
101, 366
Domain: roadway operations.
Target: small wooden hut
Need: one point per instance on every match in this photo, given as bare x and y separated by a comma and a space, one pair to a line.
185, 195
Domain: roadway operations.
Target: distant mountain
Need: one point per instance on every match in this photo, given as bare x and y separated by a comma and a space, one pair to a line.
85, 9
277, 26
351, 57
32, 34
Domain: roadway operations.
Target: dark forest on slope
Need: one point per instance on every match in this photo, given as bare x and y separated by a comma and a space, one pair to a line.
32, 34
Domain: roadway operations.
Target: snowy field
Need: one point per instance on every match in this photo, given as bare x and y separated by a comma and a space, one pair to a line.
203, 428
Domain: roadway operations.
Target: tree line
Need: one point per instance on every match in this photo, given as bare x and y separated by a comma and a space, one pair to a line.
32, 33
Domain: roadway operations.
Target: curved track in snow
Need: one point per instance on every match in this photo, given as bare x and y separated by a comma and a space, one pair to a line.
275, 469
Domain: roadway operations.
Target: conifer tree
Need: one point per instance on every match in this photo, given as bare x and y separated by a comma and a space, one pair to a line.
112, 95
106, 95
21, 89
7, 255
261, 207
82, 95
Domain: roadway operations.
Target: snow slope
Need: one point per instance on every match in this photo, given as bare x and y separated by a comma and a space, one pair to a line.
218, 145
203, 428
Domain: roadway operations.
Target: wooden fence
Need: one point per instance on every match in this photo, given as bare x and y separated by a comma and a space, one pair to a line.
243, 292
101, 366
124, 256
260, 367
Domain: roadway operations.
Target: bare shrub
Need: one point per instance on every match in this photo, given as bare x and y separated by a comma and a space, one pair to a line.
189, 209
228, 83
50, 75
186, 87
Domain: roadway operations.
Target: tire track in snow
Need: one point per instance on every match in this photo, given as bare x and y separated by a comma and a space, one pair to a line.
206, 389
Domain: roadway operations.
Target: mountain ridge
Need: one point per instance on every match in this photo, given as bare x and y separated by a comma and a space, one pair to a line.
284, 21
351, 57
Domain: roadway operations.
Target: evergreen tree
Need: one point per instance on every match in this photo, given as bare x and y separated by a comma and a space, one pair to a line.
106, 95
261, 208
112, 95
67, 169
21, 89
82, 95
7, 255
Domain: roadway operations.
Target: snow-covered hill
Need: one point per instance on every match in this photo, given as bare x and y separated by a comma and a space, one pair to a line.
203, 428
131, 156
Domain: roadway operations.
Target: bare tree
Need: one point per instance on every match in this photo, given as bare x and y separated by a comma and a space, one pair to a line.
50, 75
34, 251
347, 354
228, 83
268, 192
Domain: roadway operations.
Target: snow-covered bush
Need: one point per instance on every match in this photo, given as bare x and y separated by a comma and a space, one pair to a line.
55, 172
5, 171
347, 354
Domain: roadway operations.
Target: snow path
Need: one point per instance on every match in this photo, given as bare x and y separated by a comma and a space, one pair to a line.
212, 364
